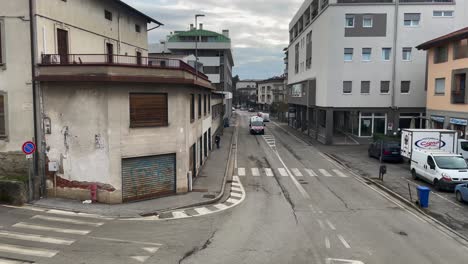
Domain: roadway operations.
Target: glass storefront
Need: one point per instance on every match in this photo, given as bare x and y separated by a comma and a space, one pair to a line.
372, 123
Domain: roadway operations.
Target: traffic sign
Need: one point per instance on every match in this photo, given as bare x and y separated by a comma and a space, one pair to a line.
29, 147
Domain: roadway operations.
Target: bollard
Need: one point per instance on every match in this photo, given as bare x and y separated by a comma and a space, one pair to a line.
93, 191
382, 171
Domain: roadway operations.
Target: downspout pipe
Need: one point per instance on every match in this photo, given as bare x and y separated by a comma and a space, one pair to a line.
395, 43
34, 94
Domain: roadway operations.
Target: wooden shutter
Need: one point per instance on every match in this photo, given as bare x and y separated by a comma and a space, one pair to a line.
2, 116
148, 110
62, 45
1, 40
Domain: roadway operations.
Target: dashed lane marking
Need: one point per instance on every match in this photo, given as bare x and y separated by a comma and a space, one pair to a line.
296, 172
283, 172
52, 229
341, 238
325, 173
332, 227
66, 220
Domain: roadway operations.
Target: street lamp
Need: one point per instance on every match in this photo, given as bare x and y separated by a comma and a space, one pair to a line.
196, 44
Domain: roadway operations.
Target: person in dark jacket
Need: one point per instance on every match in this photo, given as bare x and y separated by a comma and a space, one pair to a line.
217, 140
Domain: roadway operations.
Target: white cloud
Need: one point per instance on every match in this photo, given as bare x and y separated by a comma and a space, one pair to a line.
258, 28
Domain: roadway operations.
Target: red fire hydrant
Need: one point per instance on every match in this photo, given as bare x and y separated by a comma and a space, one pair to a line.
93, 190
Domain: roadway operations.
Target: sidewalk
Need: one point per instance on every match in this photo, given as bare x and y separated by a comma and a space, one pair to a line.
442, 205
206, 186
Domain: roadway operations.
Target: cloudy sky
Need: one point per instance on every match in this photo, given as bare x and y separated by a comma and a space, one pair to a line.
258, 28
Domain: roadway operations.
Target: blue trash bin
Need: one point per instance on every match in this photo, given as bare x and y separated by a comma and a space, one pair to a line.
423, 195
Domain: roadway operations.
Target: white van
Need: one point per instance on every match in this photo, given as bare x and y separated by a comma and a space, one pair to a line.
443, 169
463, 148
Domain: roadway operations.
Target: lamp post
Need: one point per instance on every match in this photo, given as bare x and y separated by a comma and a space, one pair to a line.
196, 44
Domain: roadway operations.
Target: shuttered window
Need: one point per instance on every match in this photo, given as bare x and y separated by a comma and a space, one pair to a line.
199, 106
365, 87
192, 107
1, 43
2, 116
148, 110
204, 104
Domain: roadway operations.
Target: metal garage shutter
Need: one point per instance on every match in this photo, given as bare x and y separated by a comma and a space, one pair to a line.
148, 177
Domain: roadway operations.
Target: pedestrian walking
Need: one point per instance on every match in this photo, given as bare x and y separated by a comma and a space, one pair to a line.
217, 140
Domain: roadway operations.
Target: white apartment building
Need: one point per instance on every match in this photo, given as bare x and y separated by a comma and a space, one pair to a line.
353, 69
106, 115
270, 91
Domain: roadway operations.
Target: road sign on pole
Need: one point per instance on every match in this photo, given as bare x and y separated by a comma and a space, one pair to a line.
28, 147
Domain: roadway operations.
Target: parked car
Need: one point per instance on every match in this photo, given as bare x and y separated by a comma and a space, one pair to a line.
461, 192
390, 151
443, 169
251, 110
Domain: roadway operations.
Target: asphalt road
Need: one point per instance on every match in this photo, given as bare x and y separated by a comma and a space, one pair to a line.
300, 208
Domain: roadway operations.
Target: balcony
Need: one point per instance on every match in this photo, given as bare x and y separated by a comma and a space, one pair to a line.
363, 1
427, 1
108, 67
459, 97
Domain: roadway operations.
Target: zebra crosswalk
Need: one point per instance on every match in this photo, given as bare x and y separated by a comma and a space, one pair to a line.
305, 172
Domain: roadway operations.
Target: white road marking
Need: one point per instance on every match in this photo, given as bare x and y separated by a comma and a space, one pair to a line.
325, 173
344, 241
140, 258
8, 261
179, 214
298, 185
311, 172
296, 172
221, 206
235, 184
234, 188
312, 208
66, 220
36, 238
151, 250
348, 261
283, 172
320, 224
233, 201
327, 243
269, 172
236, 195
339, 173
29, 251
126, 241
202, 210
60, 212
241, 171
255, 172
332, 227
52, 229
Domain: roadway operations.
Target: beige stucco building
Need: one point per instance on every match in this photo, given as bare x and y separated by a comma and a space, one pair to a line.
107, 115
447, 71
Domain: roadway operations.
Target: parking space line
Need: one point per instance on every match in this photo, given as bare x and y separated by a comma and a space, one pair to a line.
341, 238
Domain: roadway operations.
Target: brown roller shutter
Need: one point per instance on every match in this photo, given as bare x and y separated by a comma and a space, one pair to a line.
148, 177
148, 110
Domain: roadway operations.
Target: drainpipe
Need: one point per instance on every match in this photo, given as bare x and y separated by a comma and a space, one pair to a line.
395, 38
118, 33
33, 47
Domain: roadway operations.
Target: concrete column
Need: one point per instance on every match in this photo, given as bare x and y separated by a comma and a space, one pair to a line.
329, 127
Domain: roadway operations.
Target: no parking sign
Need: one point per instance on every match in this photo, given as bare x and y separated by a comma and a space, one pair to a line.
28, 148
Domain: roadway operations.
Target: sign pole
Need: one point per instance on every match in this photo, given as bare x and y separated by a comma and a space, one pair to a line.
29, 148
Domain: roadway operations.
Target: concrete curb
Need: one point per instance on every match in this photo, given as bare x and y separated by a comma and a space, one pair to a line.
207, 202
399, 198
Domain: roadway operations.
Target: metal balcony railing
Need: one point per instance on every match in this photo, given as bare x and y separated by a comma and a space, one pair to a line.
118, 60
459, 97
427, 1
363, 1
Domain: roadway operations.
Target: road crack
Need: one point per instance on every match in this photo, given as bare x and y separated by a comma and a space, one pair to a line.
195, 250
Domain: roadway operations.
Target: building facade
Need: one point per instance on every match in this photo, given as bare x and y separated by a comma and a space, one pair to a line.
447, 76
213, 50
108, 116
353, 69
246, 92
270, 91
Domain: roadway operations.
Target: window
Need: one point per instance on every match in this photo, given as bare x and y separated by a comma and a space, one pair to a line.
386, 53
137, 28
366, 54
460, 49
309, 51
411, 19
1, 43
204, 104
440, 54
444, 13
384, 87
148, 110
365, 87
440, 86
209, 103
138, 58
2, 116
211, 69
192, 107
348, 54
199, 106
406, 54
405, 87
347, 87
108, 15
367, 22
349, 23
296, 56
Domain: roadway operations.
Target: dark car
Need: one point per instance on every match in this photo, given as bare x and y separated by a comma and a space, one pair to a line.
390, 151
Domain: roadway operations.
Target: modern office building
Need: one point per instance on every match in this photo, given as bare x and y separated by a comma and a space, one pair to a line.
353, 69
213, 50
447, 76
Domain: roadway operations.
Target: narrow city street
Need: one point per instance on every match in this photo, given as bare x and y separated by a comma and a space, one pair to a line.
299, 208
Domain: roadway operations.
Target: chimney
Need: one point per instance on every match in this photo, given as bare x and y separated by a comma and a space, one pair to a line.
226, 33
201, 26
191, 26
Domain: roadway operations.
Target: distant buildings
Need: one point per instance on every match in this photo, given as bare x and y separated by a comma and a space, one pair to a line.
96, 105
246, 91
447, 79
270, 91
353, 69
